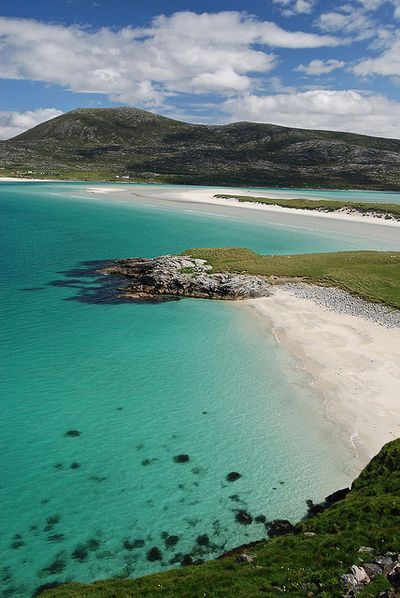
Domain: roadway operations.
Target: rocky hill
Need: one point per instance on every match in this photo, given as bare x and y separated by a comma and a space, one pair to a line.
109, 143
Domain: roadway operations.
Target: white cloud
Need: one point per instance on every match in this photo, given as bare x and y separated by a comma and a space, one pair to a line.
348, 19
13, 123
387, 64
185, 52
320, 67
322, 109
295, 7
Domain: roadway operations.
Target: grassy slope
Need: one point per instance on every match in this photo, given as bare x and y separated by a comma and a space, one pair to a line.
374, 275
318, 204
368, 516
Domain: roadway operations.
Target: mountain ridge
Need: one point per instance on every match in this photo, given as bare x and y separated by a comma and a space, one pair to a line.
108, 143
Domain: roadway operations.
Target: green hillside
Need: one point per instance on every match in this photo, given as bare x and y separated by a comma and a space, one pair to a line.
105, 143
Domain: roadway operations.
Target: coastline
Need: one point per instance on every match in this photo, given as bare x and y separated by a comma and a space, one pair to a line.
205, 196
354, 362
202, 196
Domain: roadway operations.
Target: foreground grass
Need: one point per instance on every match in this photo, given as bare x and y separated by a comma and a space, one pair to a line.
295, 564
326, 205
373, 275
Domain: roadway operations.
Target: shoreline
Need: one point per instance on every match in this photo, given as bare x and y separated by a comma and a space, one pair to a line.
201, 196
205, 196
354, 362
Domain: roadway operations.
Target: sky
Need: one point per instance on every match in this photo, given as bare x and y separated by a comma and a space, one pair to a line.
316, 64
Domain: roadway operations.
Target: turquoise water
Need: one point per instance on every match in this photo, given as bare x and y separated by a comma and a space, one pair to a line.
142, 383
350, 195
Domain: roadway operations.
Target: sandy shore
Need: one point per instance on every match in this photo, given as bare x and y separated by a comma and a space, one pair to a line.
353, 361
205, 196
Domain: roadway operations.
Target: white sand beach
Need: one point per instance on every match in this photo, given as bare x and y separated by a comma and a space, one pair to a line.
206, 196
354, 362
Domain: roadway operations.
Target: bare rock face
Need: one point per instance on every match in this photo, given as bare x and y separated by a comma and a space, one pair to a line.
185, 277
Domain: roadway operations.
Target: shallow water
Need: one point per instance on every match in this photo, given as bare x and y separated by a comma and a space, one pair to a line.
142, 383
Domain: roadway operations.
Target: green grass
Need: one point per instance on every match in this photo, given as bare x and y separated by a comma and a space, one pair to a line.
373, 275
368, 516
319, 204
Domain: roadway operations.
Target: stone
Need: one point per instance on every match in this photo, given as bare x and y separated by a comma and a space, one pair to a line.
309, 534
394, 576
186, 560
385, 562
372, 570
337, 496
260, 519
171, 541
80, 553
154, 554
279, 527
203, 540
183, 276
233, 476
359, 574
182, 458
72, 433
75, 465
245, 558
243, 517
349, 580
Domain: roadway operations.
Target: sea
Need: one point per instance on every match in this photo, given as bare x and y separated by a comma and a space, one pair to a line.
100, 397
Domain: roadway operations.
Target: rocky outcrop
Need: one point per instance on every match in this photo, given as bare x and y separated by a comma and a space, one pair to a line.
183, 276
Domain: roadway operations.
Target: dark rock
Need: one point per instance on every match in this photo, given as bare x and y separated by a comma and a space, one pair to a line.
154, 554
279, 527
80, 553
314, 509
336, 496
186, 560
394, 576
243, 517
233, 476
57, 566
177, 558
15, 544
372, 569
260, 519
182, 458
93, 544
72, 433
129, 544
203, 540
58, 466
75, 465
385, 562
245, 558
53, 520
56, 538
171, 541
184, 276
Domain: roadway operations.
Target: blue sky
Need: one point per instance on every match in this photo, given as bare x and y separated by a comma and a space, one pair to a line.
305, 63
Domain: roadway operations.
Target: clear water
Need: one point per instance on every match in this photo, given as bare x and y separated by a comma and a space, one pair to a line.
142, 383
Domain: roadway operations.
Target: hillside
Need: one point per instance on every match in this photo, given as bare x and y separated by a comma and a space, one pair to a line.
314, 558
106, 143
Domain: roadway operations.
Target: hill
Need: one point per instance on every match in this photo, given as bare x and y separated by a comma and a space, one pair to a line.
108, 143
359, 529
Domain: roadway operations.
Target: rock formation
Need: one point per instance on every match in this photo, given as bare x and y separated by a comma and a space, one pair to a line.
183, 276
